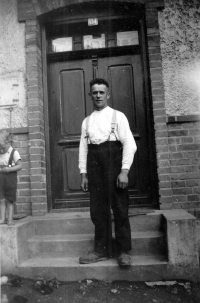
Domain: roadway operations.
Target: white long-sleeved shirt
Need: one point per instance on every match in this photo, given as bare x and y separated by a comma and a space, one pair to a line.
99, 129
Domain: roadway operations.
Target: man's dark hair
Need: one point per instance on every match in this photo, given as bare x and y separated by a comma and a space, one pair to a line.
99, 81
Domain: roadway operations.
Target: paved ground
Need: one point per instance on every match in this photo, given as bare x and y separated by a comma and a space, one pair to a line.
91, 291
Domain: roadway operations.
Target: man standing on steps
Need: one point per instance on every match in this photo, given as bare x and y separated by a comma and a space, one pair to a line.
106, 153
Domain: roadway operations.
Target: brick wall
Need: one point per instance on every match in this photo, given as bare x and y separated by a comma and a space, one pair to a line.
23, 203
36, 118
159, 113
184, 145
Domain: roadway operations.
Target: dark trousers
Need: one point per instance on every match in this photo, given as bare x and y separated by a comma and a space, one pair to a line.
104, 163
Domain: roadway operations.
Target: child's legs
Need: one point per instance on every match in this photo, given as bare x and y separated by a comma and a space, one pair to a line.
10, 207
3, 210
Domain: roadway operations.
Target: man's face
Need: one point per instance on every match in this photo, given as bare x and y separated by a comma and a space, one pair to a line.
100, 95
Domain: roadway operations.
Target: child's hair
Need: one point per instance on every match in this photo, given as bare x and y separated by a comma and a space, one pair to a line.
4, 136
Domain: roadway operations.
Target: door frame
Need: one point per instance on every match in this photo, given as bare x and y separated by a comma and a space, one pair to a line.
149, 110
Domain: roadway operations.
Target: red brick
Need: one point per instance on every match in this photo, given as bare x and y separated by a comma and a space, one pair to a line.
182, 190
162, 141
38, 178
160, 126
194, 198
194, 132
25, 192
180, 162
164, 170
176, 155
175, 176
23, 185
36, 136
35, 122
165, 184
181, 205
190, 175
37, 150
162, 156
36, 129
165, 192
196, 190
176, 133
179, 169
154, 49
182, 198
159, 105
37, 164
174, 140
26, 206
21, 199
159, 112
187, 147
38, 199
163, 163
39, 206
38, 185
189, 154
164, 177
157, 91
155, 64
187, 140
24, 179
162, 148
176, 184
157, 98
155, 57
192, 183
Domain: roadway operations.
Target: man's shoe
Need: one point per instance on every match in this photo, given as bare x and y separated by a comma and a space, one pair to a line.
92, 257
124, 259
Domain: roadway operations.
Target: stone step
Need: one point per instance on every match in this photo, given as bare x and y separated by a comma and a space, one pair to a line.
143, 268
80, 223
74, 245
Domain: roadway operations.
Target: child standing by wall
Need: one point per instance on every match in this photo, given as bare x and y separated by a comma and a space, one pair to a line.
10, 163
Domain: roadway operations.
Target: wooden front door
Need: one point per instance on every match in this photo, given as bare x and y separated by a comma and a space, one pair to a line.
70, 103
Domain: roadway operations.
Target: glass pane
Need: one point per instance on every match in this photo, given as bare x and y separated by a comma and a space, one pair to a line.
127, 38
91, 42
62, 44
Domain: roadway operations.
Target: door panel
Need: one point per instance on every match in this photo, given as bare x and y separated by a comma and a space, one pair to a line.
72, 100
70, 104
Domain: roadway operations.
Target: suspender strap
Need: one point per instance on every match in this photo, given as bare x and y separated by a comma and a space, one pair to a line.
113, 123
11, 157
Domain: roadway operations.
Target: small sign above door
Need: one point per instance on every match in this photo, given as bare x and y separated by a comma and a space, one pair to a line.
92, 21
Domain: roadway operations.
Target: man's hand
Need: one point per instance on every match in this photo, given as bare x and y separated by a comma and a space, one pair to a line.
122, 179
84, 182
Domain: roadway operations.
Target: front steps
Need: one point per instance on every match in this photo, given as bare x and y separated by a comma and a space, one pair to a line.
57, 245
163, 248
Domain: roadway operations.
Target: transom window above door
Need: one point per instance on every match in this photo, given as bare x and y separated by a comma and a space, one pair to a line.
81, 36
66, 44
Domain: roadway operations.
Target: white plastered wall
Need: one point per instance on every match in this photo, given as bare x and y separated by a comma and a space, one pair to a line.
12, 67
180, 48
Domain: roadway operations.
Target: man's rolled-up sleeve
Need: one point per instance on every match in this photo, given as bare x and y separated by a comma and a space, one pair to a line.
83, 150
